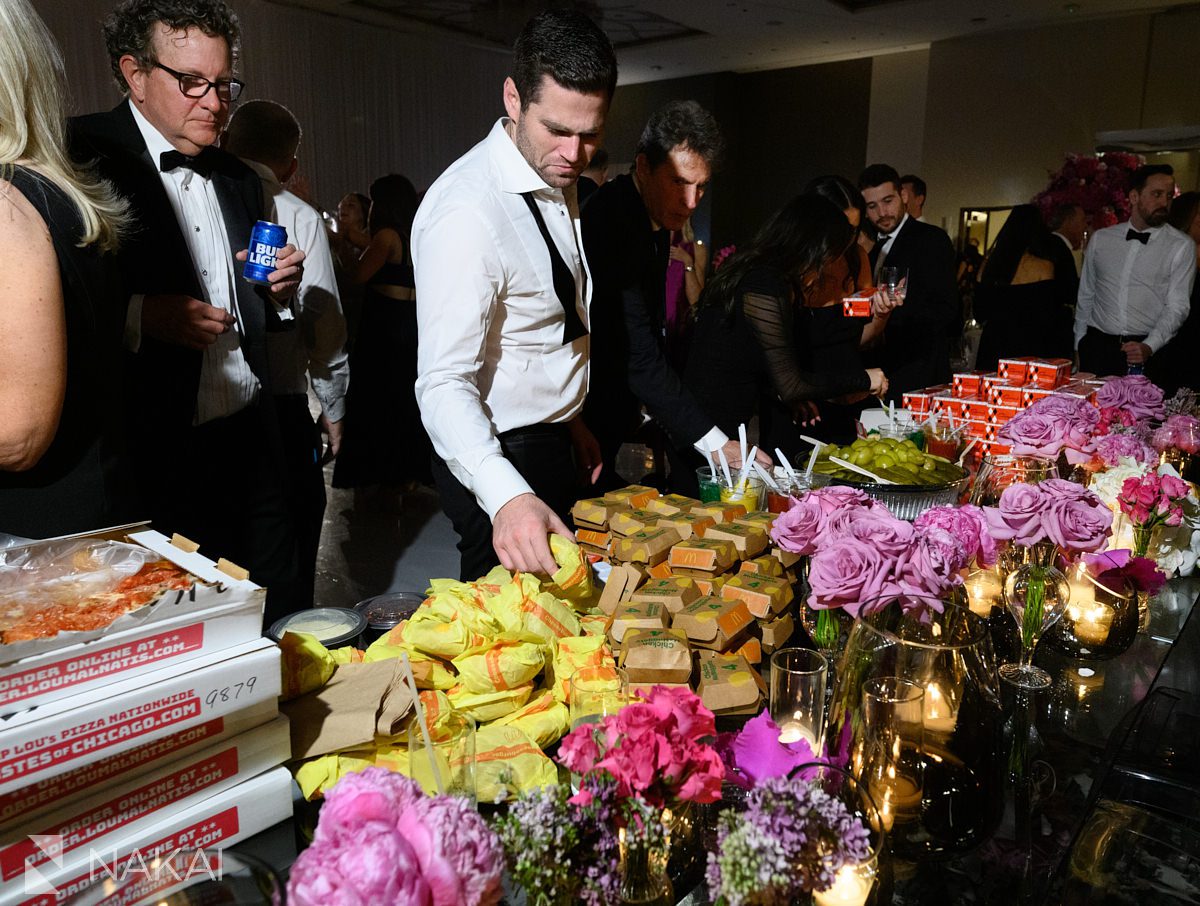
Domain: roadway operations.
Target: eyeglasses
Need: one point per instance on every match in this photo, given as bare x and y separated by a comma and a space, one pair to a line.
194, 86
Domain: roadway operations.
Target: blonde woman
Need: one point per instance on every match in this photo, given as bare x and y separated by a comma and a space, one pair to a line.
60, 310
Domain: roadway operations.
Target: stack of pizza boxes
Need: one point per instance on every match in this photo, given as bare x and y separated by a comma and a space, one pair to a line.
158, 733
694, 592
983, 402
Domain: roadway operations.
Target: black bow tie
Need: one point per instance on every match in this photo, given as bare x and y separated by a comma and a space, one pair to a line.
201, 163
1143, 238
883, 238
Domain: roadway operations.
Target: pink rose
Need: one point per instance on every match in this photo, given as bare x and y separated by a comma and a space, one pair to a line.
579, 751
369, 863
1019, 516
1078, 525
797, 529
1031, 433
837, 496
706, 773
1134, 393
691, 719
884, 532
933, 567
847, 573
1174, 487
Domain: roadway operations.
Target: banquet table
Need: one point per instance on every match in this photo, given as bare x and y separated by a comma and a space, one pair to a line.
1081, 724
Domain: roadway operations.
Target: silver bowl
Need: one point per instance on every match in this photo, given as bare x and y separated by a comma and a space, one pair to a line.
905, 501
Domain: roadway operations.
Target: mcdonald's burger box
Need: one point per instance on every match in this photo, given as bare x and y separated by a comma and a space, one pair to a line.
167, 617
147, 799
78, 730
209, 825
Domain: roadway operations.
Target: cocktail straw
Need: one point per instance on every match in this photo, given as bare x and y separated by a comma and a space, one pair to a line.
967, 449
783, 461
412, 682
746, 463
725, 466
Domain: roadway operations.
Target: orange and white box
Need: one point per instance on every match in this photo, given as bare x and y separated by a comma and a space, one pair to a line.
976, 410
1049, 373
945, 404
918, 402
999, 448
209, 825
144, 800
79, 730
1030, 395
217, 612
1015, 371
1078, 390
977, 429
856, 306
988, 381
1008, 395
1001, 415
967, 384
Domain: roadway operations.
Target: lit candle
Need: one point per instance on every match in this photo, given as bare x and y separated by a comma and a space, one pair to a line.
1093, 624
940, 715
983, 588
899, 799
1087, 682
794, 731
851, 887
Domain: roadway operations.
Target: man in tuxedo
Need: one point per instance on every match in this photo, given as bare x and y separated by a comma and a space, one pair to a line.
917, 338
1067, 222
913, 190
627, 228
195, 330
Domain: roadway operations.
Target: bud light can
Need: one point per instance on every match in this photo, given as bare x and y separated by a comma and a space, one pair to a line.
1135, 368
266, 239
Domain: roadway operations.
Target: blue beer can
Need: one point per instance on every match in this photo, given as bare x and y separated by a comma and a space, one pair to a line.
266, 239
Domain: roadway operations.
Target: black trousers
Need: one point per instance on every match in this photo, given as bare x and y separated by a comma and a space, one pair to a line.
305, 487
1100, 353
235, 505
543, 456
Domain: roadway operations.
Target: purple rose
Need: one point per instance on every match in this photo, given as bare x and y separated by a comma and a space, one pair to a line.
1018, 518
1134, 393
798, 528
837, 496
1061, 489
1031, 433
882, 531
847, 573
1078, 525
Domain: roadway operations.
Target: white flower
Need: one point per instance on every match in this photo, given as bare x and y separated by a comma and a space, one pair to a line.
1107, 484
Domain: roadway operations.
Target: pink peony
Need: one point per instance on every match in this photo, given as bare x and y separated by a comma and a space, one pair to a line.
1112, 447
364, 865
373, 795
966, 523
685, 710
460, 857
1018, 518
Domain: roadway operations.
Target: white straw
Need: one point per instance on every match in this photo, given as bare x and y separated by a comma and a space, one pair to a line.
812, 461
742, 440
412, 682
787, 465
725, 466
892, 413
766, 476
967, 449
746, 466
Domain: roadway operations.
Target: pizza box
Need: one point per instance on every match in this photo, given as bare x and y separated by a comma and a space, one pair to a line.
52, 793
217, 612
210, 825
59, 737
144, 800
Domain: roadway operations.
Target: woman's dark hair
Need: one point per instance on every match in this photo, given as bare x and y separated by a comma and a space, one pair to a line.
129, 28
393, 205
845, 195
1024, 231
799, 239
1184, 209
570, 48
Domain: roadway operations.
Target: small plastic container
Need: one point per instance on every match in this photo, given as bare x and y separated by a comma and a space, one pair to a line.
385, 612
334, 627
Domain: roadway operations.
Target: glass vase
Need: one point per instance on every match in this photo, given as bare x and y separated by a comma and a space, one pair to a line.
644, 879
999, 472
962, 759
1100, 622
868, 882
1037, 595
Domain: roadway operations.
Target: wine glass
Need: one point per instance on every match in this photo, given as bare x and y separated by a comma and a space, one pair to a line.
1037, 595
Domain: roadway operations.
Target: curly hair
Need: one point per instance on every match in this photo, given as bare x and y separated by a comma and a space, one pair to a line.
129, 28
683, 123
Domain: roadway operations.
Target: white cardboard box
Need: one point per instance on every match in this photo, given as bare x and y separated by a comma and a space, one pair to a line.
146, 799
215, 823
52, 793
61, 736
180, 626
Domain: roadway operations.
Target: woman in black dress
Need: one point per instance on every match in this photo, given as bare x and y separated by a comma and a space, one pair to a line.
1025, 310
385, 447
62, 468
746, 352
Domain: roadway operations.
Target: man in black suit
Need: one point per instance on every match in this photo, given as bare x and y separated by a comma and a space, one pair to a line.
627, 226
917, 338
195, 331
1068, 223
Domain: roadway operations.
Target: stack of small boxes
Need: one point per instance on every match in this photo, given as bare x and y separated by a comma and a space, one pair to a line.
982, 402
156, 735
695, 594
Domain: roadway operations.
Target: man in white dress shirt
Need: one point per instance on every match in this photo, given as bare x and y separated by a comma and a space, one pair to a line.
267, 136
208, 442
1135, 289
502, 303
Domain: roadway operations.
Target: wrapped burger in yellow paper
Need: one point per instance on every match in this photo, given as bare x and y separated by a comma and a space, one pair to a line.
489, 705
508, 661
427, 632
508, 604
545, 719
447, 605
508, 762
306, 664
549, 618
317, 776
570, 655
594, 623
348, 655
429, 672
572, 581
